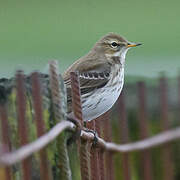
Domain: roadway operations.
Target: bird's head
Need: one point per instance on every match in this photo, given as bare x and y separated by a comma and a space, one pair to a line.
114, 45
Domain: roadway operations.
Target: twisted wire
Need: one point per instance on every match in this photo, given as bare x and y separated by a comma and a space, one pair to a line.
76, 96
59, 112
77, 109
55, 91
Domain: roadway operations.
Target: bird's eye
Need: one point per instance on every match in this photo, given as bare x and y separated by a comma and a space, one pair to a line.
114, 44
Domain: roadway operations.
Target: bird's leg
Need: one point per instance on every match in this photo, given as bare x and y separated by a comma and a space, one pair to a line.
78, 131
95, 140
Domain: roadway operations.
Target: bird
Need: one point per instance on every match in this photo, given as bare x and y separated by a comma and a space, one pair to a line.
101, 75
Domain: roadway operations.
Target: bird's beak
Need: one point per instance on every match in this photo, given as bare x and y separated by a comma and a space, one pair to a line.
133, 44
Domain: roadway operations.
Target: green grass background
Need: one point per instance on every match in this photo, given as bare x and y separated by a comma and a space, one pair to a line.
34, 32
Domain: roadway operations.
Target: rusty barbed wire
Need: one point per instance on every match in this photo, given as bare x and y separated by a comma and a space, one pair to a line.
77, 110
76, 96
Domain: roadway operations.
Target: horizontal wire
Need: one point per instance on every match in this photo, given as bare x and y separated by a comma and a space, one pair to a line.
10, 158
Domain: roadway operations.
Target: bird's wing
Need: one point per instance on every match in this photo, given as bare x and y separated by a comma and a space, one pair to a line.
91, 77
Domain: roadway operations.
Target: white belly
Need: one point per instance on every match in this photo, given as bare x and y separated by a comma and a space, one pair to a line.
103, 99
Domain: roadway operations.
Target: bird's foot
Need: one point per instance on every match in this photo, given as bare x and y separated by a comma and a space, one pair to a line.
95, 140
78, 131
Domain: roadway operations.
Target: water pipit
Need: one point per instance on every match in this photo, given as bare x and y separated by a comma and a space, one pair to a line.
101, 75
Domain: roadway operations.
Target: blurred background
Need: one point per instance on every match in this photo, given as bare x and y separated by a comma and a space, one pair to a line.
34, 32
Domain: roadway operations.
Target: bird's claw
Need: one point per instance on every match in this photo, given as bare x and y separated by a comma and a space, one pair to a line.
95, 140
79, 128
